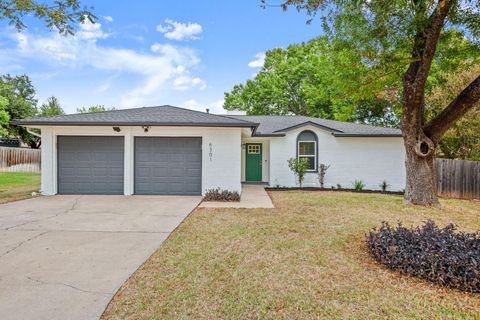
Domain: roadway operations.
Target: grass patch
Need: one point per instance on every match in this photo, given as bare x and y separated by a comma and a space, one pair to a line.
305, 259
18, 185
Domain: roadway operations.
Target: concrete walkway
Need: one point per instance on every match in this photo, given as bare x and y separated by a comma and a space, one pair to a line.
64, 257
253, 196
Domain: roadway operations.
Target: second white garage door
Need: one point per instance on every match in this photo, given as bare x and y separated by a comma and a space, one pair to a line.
168, 165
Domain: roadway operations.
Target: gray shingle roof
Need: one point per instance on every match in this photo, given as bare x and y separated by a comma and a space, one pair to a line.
175, 116
146, 116
279, 125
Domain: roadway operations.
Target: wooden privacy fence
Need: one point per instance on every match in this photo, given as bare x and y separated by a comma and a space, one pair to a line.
458, 179
19, 160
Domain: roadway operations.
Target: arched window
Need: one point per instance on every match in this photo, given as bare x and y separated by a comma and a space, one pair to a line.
307, 148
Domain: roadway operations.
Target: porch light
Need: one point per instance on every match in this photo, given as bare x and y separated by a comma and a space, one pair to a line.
116, 129
145, 128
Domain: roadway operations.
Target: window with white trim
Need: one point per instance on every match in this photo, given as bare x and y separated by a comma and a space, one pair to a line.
307, 149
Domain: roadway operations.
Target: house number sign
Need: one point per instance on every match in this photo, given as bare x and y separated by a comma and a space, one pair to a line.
210, 151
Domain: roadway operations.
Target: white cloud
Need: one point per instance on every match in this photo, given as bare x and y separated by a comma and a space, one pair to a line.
165, 67
258, 61
180, 31
92, 31
186, 82
214, 107
108, 19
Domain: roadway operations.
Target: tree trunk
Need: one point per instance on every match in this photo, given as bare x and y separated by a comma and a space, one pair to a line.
421, 187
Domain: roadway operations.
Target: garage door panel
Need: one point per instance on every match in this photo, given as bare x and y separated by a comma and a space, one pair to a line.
161, 172
116, 156
178, 173
161, 157
83, 156
90, 165
168, 165
116, 173
192, 187
193, 158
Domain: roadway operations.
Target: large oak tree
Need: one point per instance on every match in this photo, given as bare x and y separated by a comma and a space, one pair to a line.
382, 30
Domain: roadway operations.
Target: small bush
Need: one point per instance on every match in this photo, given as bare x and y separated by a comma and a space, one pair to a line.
358, 185
384, 185
443, 256
221, 195
299, 168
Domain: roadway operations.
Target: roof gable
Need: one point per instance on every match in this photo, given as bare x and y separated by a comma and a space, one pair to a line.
279, 125
308, 123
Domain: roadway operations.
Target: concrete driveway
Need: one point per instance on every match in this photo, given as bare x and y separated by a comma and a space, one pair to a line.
64, 257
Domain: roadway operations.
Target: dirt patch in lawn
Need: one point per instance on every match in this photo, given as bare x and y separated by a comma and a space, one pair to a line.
304, 259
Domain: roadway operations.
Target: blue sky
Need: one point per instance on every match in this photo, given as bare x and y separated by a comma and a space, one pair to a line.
144, 53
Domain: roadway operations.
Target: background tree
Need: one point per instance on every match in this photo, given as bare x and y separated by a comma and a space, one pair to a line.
59, 15
4, 117
95, 108
462, 140
404, 35
313, 79
20, 95
325, 78
51, 107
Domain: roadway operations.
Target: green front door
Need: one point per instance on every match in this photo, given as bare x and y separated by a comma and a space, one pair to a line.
253, 170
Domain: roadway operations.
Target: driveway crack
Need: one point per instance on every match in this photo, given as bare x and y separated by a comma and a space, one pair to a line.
73, 207
69, 286
23, 242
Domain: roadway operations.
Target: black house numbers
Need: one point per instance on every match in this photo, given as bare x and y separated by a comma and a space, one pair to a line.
210, 151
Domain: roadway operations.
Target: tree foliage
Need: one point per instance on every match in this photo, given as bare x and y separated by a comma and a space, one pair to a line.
95, 108
324, 78
19, 93
51, 107
4, 116
59, 15
313, 79
462, 140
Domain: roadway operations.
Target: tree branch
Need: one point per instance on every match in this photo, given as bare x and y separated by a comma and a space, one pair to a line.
465, 101
436, 21
415, 78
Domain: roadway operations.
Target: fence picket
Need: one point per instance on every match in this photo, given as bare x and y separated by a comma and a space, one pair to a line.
19, 159
458, 179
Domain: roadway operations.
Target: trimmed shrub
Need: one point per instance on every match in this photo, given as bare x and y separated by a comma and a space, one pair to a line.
221, 195
440, 255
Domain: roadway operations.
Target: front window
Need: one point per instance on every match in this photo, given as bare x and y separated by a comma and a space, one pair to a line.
308, 150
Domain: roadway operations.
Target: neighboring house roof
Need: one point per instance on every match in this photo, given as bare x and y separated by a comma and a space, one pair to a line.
146, 116
271, 126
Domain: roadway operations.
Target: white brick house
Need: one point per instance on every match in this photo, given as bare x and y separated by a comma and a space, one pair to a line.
170, 150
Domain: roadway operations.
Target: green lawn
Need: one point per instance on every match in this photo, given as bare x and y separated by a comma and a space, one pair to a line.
18, 185
306, 259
